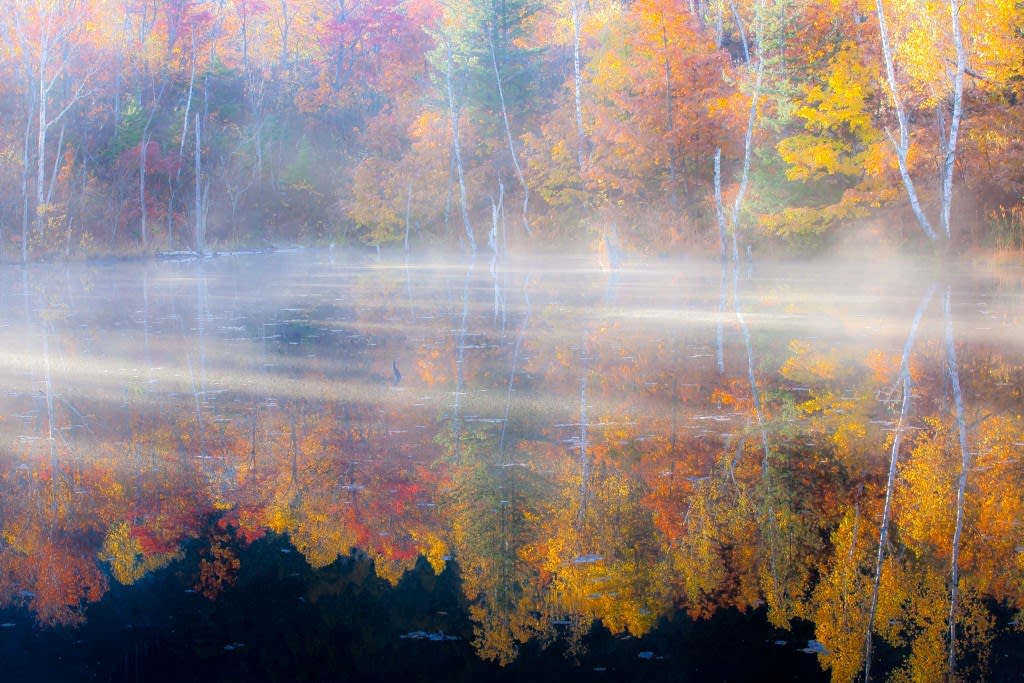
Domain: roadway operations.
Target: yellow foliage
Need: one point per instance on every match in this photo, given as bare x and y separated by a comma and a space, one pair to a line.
127, 561
926, 497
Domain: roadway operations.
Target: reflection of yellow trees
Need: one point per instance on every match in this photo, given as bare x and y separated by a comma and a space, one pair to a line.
492, 509
993, 556
913, 610
606, 565
673, 502
128, 560
333, 489
841, 596
47, 561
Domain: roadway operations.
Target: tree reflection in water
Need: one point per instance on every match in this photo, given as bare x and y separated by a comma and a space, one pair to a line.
600, 454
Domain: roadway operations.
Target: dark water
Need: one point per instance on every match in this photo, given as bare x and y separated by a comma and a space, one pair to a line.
308, 466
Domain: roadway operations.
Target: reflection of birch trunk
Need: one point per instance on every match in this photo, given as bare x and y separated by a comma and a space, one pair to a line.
295, 448
51, 433
512, 373
883, 533
146, 352
776, 599
584, 444
460, 355
199, 387
755, 394
961, 487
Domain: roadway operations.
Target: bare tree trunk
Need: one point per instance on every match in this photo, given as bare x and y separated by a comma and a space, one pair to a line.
493, 241
453, 114
408, 207
200, 219
56, 165
172, 184
669, 119
581, 136
26, 166
902, 145
53, 32
949, 156
41, 128
748, 146
285, 26
890, 486
743, 34
508, 136
143, 151
961, 488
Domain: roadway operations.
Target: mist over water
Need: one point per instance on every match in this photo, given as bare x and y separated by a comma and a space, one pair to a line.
511, 459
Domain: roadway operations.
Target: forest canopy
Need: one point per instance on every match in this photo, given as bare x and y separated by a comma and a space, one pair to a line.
146, 125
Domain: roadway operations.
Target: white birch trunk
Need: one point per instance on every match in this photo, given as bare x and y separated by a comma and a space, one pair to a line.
949, 156
581, 136
508, 136
902, 145
453, 114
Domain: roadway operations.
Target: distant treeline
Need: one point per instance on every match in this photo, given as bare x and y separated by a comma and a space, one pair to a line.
145, 125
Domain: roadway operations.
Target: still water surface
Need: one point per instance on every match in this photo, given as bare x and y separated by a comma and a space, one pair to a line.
309, 466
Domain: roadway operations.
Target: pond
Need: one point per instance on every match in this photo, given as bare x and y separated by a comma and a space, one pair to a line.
318, 465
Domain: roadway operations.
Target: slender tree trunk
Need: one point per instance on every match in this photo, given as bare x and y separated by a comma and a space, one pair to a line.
669, 119
493, 241
200, 226
173, 183
890, 486
41, 128
508, 136
56, 165
453, 114
748, 147
581, 136
26, 166
949, 156
743, 34
408, 208
143, 152
902, 145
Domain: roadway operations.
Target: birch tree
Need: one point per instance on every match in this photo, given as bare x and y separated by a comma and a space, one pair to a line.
948, 143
